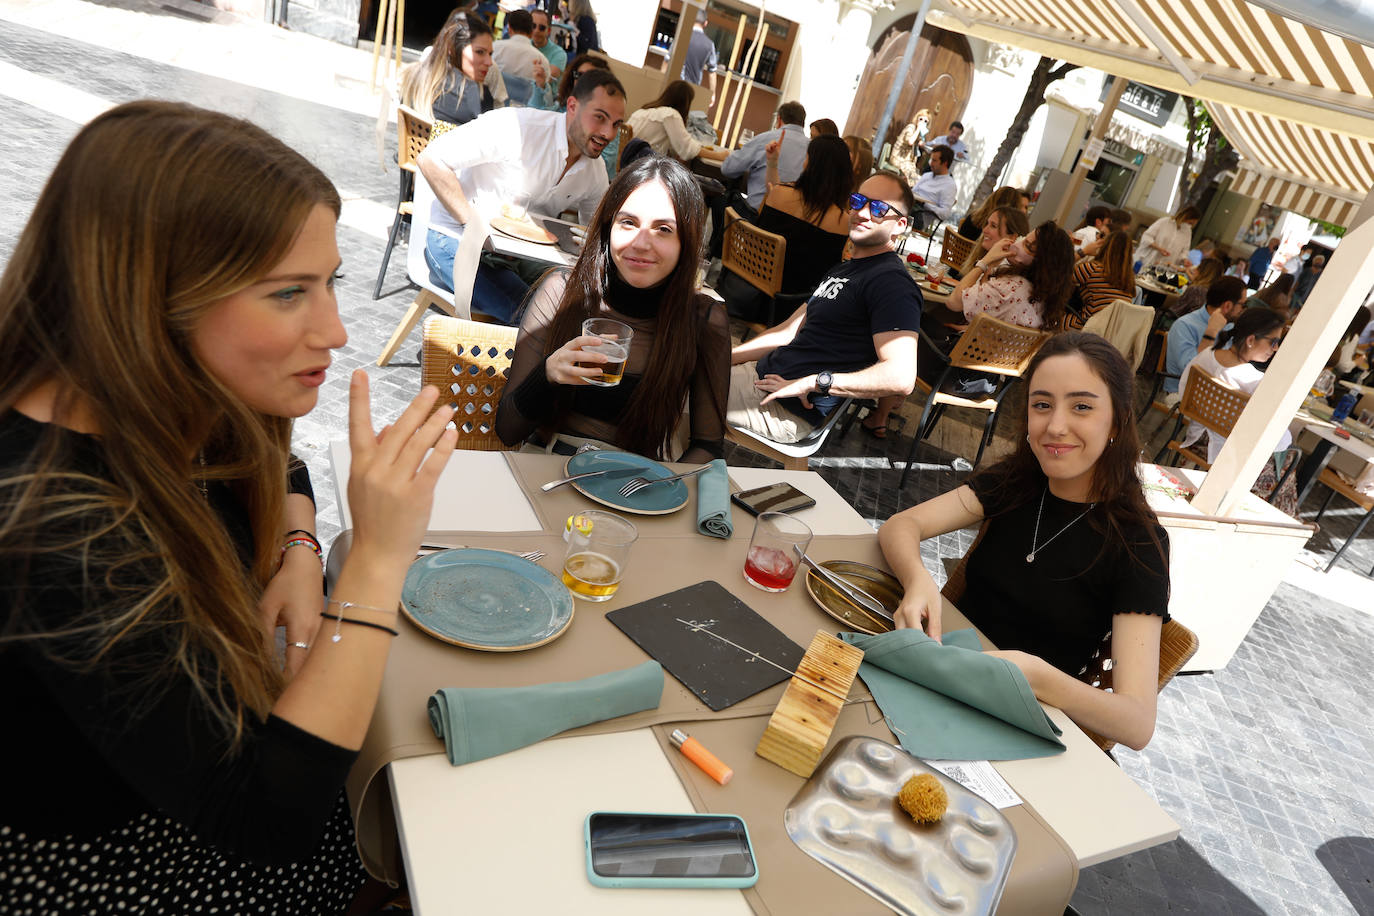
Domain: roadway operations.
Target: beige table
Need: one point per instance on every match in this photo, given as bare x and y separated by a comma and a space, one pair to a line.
451, 832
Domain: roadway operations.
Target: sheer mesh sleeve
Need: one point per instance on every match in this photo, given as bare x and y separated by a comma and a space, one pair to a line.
528, 399
710, 385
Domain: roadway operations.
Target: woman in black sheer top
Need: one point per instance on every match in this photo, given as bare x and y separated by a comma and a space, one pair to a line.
638, 266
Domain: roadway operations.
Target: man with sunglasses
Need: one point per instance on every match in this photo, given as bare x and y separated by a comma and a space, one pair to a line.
854, 338
556, 56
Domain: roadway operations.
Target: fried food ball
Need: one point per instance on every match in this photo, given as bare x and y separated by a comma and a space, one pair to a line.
923, 798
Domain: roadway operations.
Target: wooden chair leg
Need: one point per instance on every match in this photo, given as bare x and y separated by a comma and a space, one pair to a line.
423, 300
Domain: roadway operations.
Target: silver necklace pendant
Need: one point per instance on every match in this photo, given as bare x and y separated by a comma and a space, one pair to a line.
1030, 557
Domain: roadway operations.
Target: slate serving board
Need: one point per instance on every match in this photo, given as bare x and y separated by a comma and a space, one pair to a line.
719, 674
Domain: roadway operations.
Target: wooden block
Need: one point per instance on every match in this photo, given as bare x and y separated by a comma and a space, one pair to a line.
800, 727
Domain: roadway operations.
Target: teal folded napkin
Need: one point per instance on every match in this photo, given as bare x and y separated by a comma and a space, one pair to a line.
481, 722
713, 501
951, 701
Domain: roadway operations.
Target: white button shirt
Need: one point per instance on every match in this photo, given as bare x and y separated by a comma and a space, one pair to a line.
514, 150
518, 55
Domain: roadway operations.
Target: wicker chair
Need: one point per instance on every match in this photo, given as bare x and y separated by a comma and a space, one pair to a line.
756, 256
1210, 403
626, 134
413, 131
955, 248
1177, 643
989, 345
468, 362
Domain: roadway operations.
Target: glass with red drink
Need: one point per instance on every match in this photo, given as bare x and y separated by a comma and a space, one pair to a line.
775, 551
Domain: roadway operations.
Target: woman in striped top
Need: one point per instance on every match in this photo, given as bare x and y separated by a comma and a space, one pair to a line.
1102, 279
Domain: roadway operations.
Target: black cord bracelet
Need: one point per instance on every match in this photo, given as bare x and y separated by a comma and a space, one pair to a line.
362, 623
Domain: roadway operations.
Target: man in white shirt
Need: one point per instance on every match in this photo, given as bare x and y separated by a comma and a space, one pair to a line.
517, 55
936, 190
556, 56
553, 157
790, 127
701, 57
951, 139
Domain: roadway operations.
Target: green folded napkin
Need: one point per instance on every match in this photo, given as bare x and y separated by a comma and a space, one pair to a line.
713, 501
951, 701
481, 722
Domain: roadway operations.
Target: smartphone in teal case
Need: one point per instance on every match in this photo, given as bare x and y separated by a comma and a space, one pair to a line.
626, 849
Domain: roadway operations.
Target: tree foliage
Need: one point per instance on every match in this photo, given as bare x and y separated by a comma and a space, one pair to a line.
1205, 140
1046, 72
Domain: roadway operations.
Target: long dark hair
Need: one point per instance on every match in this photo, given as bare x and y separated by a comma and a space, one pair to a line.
1115, 256
565, 82
1005, 196
827, 179
656, 405
1116, 486
426, 80
1255, 321
677, 95
1050, 272
1271, 294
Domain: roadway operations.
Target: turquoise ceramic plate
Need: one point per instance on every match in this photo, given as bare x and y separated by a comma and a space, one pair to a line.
659, 499
486, 599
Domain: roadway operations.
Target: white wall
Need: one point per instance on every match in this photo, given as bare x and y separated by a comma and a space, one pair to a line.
1161, 194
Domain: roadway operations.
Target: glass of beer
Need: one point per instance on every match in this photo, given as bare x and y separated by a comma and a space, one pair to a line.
598, 546
615, 336
775, 551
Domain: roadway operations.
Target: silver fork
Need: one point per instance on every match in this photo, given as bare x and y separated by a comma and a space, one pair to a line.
635, 484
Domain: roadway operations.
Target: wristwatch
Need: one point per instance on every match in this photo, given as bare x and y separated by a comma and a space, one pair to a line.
824, 379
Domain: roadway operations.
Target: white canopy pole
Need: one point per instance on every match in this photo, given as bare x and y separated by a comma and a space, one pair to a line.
1344, 285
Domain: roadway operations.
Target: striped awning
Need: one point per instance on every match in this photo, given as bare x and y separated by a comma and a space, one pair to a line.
1296, 100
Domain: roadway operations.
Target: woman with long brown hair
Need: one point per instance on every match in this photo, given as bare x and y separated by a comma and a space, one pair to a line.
1005, 196
169, 308
1002, 223
450, 82
1070, 551
638, 266
1024, 280
1102, 279
662, 123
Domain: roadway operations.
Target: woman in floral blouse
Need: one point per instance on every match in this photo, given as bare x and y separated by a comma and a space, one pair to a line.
1025, 281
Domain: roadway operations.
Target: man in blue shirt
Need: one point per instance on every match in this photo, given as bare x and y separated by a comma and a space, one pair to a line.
701, 57
790, 126
1196, 331
1259, 263
558, 58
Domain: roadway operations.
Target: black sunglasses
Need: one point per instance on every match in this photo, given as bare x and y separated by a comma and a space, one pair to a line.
879, 209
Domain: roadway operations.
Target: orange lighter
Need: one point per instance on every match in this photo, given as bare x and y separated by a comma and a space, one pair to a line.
696, 752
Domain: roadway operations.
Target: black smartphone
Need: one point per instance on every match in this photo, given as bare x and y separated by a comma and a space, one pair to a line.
776, 497
669, 850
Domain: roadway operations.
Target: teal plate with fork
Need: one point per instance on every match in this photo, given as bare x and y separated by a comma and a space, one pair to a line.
659, 499
486, 599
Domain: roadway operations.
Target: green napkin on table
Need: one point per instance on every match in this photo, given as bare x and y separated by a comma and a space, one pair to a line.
951, 701
713, 501
481, 722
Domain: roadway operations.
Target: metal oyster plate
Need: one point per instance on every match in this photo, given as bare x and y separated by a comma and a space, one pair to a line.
847, 818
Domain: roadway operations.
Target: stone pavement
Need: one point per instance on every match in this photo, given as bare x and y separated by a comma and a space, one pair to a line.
1264, 764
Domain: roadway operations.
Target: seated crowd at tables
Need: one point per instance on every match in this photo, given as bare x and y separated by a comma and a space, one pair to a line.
156, 530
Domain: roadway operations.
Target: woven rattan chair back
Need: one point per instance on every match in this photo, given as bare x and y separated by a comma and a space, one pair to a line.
469, 362
755, 254
1177, 644
992, 345
626, 134
1210, 403
413, 132
955, 248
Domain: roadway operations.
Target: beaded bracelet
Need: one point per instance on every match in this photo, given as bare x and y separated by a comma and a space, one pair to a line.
313, 544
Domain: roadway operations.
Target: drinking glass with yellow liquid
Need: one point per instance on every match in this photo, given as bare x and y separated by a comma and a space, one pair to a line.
616, 337
598, 546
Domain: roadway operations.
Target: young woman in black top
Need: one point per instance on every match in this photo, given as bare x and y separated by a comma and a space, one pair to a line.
1071, 551
169, 308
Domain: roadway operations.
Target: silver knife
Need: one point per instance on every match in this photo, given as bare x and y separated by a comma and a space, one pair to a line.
855, 594
609, 473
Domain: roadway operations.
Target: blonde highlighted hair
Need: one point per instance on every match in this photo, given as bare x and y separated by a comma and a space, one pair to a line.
155, 212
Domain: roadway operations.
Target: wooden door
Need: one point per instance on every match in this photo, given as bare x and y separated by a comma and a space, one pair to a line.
939, 80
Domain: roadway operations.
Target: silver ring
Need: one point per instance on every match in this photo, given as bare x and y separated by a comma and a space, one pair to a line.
299, 645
